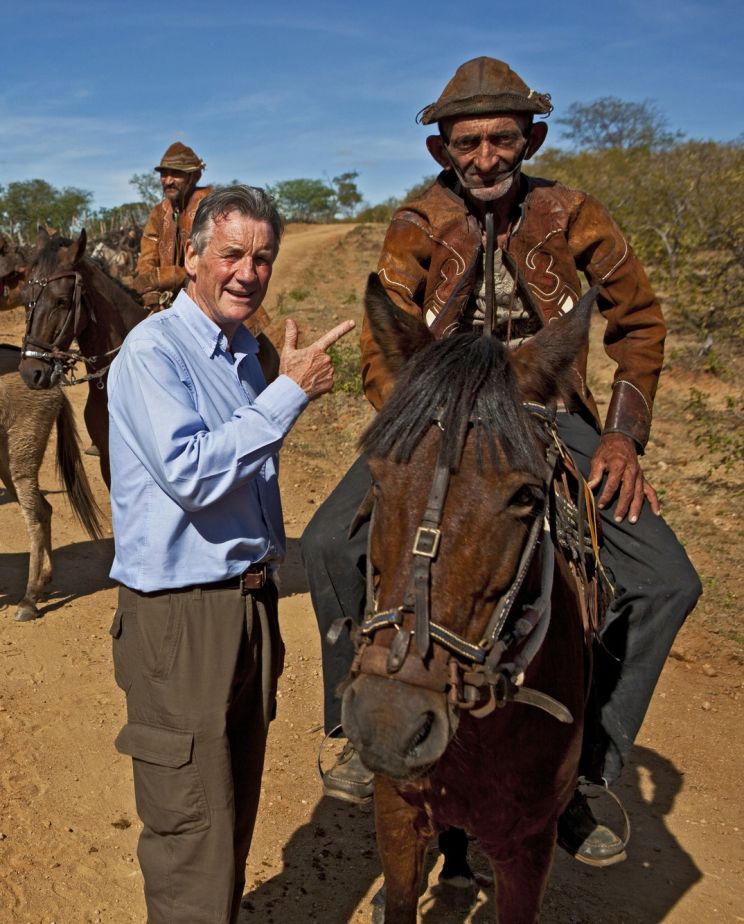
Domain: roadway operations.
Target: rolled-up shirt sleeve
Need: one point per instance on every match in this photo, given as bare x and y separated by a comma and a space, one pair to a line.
153, 403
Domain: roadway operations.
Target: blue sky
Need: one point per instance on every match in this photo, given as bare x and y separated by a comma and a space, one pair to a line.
92, 92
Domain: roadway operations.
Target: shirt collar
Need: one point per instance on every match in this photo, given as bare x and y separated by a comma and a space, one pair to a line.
208, 334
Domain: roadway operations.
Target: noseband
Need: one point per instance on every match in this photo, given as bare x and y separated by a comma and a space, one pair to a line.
63, 362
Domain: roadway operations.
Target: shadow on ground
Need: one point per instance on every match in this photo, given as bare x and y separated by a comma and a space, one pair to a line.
80, 569
328, 866
331, 862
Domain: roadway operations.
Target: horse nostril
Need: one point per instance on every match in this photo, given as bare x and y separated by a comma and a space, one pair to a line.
422, 733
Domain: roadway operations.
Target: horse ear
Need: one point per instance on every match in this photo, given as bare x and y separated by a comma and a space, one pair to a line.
80, 247
542, 365
398, 334
42, 239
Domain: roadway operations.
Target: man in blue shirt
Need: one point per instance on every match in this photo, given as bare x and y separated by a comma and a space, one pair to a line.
198, 532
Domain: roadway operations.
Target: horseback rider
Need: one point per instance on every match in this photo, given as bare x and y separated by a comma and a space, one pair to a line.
160, 273
484, 241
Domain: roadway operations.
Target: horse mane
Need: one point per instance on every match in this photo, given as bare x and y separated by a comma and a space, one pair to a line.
46, 259
46, 262
132, 293
458, 379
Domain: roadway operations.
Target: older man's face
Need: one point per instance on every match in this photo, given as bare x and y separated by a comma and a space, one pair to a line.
177, 184
230, 277
486, 149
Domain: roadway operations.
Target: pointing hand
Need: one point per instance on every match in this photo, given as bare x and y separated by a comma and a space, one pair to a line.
310, 366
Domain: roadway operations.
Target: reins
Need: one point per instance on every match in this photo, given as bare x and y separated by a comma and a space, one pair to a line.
63, 362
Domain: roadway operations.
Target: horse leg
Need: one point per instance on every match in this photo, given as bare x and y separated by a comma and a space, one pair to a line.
401, 847
521, 878
5, 478
96, 423
37, 513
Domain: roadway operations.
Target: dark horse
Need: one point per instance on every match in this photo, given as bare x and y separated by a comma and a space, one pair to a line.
467, 691
70, 298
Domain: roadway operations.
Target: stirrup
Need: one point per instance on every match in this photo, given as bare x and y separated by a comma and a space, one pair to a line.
604, 787
323, 743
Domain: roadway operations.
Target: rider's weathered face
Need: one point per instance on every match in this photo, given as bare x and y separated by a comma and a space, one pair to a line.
177, 184
486, 149
229, 278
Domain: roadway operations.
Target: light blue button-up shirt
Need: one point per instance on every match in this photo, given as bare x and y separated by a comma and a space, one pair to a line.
194, 432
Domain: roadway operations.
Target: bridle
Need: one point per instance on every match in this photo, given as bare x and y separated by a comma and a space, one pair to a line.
63, 361
475, 676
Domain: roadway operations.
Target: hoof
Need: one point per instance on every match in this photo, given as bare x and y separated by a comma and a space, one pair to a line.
458, 882
27, 613
378, 906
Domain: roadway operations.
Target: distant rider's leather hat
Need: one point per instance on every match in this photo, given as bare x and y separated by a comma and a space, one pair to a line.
180, 157
483, 86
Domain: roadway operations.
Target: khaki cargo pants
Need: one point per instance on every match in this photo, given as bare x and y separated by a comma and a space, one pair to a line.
199, 668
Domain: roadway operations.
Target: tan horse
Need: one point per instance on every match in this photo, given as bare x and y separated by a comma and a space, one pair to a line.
26, 419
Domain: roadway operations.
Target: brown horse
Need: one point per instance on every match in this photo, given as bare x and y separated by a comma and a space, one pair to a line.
26, 420
13, 269
467, 691
69, 297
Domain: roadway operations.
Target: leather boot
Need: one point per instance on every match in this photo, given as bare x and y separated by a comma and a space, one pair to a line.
348, 778
581, 835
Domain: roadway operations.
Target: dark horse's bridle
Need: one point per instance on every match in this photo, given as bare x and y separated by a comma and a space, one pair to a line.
63, 362
475, 677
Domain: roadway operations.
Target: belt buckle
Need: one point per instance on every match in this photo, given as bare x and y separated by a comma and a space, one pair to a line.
251, 580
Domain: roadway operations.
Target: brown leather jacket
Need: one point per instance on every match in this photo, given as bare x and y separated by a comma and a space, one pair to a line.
160, 264
431, 254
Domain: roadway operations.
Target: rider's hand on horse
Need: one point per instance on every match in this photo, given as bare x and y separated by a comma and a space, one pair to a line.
617, 456
310, 366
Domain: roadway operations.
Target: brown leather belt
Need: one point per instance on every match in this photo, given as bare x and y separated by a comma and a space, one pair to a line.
253, 578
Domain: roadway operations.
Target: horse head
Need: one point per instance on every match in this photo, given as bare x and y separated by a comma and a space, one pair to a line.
53, 296
460, 479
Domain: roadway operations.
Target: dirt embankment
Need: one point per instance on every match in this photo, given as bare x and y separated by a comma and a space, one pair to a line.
68, 826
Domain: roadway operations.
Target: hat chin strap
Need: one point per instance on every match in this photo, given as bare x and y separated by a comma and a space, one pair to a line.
499, 189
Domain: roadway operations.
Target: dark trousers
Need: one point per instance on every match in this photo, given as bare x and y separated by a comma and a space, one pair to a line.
199, 669
656, 587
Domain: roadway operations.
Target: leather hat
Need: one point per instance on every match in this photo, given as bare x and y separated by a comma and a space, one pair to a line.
180, 157
481, 86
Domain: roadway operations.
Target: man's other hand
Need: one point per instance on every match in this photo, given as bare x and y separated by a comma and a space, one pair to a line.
310, 366
617, 456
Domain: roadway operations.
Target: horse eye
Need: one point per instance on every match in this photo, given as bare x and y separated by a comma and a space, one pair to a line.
526, 496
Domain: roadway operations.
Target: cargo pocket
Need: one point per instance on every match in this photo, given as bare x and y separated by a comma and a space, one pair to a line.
168, 788
122, 673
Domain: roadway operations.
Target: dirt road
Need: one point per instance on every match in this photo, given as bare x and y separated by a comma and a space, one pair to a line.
68, 826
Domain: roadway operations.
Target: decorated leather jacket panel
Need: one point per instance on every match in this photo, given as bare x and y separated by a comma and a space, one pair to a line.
428, 266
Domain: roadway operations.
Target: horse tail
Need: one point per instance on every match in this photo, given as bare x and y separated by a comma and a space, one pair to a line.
71, 471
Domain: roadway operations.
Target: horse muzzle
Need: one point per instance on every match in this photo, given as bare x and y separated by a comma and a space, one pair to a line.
400, 731
37, 373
